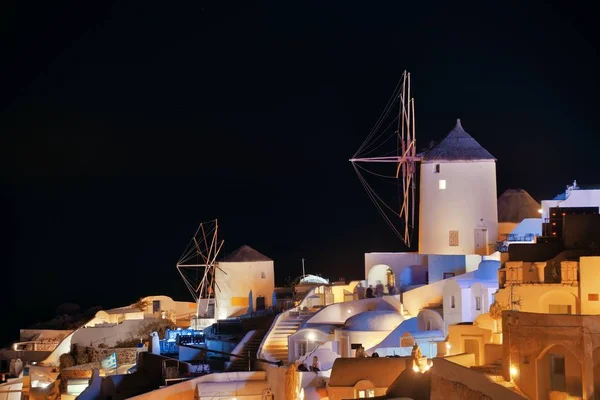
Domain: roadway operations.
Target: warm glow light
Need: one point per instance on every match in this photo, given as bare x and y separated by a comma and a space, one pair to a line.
540, 210
39, 384
301, 394
513, 371
448, 346
415, 368
311, 336
349, 311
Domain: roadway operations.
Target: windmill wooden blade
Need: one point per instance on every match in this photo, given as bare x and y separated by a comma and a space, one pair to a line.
405, 159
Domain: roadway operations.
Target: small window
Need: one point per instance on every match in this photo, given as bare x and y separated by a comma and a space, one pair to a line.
453, 238
442, 184
478, 303
301, 347
263, 275
437, 168
155, 306
362, 394
452, 302
593, 297
428, 325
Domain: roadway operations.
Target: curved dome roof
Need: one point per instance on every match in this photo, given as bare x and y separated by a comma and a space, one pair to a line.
378, 320
314, 279
514, 205
487, 270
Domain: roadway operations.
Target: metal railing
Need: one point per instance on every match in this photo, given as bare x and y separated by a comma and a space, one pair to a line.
515, 237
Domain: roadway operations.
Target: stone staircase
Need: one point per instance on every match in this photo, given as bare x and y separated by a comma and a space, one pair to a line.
275, 346
251, 348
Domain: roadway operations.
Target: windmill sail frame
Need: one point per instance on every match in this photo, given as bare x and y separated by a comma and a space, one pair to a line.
406, 158
198, 264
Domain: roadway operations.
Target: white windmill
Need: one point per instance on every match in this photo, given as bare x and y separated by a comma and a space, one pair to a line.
399, 126
197, 266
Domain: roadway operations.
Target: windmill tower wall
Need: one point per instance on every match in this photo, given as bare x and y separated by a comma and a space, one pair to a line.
458, 211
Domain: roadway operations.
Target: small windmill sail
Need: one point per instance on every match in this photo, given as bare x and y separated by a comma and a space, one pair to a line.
198, 263
403, 159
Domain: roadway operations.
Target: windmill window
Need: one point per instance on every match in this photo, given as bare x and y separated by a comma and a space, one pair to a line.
442, 184
437, 168
453, 238
452, 302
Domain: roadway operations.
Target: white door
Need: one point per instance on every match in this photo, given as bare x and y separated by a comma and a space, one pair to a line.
481, 241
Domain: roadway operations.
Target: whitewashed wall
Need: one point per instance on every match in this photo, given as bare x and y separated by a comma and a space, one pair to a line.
577, 198
237, 279
469, 197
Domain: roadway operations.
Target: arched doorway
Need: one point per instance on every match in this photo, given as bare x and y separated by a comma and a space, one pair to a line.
378, 274
558, 370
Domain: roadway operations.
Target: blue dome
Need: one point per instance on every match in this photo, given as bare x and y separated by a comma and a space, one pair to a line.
488, 270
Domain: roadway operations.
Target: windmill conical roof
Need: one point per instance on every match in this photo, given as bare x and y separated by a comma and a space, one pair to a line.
514, 205
245, 254
458, 145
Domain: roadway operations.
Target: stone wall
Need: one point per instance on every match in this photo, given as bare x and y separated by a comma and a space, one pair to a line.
443, 389
84, 355
90, 358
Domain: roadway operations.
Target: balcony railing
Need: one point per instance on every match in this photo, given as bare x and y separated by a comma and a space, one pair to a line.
515, 237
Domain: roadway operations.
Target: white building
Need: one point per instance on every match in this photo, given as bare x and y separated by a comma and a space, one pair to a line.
245, 282
574, 196
411, 270
458, 200
465, 298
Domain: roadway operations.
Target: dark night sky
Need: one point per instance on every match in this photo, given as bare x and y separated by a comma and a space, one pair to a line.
127, 124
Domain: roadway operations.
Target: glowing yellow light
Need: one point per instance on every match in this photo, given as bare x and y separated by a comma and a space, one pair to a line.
311, 336
540, 210
448, 346
513, 371
415, 368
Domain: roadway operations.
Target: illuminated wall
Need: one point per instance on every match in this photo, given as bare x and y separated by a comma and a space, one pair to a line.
454, 202
240, 284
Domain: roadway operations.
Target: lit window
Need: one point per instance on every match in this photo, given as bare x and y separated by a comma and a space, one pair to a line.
442, 184
366, 393
478, 303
